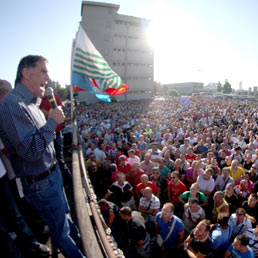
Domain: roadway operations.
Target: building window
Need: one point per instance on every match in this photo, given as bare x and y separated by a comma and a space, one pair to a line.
105, 52
108, 24
106, 37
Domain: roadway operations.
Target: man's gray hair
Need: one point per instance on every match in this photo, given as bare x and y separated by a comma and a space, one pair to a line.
5, 87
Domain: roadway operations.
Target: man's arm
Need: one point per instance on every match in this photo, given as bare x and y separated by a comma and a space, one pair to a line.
111, 218
107, 195
251, 218
156, 229
189, 250
227, 254
21, 129
192, 254
181, 239
169, 193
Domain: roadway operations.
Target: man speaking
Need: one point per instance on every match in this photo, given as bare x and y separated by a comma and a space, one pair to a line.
28, 138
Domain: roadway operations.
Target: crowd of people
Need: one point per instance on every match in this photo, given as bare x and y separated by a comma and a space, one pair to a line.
173, 179
170, 179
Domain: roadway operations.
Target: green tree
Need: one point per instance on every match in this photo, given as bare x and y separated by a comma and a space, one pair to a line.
173, 93
64, 93
219, 87
227, 88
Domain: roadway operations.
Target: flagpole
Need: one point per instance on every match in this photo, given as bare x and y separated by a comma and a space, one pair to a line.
71, 85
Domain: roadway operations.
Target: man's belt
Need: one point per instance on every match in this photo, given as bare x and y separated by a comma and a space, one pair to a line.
33, 179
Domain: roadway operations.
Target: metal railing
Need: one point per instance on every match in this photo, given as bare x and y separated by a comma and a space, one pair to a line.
95, 235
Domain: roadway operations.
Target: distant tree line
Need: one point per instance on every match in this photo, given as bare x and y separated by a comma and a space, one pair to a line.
226, 88
63, 92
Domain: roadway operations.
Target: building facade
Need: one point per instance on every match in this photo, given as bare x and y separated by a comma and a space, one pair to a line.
122, 41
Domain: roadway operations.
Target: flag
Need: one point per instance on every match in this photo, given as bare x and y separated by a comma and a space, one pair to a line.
185, 101
90, 71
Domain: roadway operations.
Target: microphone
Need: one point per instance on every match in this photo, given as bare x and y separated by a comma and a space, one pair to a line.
51, 97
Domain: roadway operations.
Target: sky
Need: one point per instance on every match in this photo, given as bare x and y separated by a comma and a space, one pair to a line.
193, 40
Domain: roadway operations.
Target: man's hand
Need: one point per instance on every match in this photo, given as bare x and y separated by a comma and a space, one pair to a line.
57, 114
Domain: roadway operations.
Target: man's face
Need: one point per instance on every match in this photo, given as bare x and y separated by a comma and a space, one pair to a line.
234, 164
93, 167
5, 92
216, 198
199, 230
147, 194
161, 164
207, 175
193, 205
154, 147
120, 179
240, 218
147, 158
182, 157
122, 161
135, 167
225, 173
229, 189
166, 213
190, 151
37, 79
155, 173
236, 244
174, 178
194, 189
144, 180
252, 201
122, 216
130, 154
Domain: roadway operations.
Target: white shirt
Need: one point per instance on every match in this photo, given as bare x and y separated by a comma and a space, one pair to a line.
152, 204
250, 233
240, 228
205, 185
192, 140
195, 215
136, 159
2, 169
100, 155
156, 154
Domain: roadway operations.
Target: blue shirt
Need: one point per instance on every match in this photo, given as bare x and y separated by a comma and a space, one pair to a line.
164, 229
25, 133
164, 172
221, 237
236, 254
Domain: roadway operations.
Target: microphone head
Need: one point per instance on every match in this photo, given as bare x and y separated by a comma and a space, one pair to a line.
49, 91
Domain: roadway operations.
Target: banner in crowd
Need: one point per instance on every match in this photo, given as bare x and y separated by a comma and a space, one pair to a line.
91, 72
185, 101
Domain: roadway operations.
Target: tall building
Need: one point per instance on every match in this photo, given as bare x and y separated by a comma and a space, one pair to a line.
240, 86
122, 41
